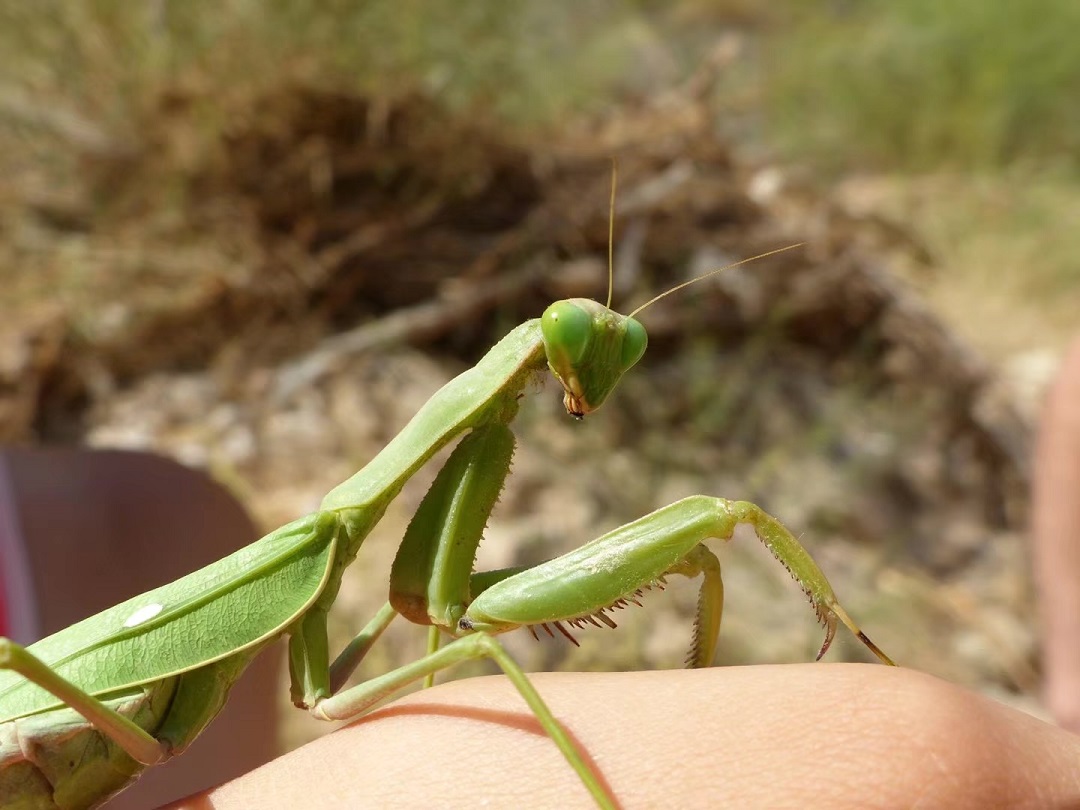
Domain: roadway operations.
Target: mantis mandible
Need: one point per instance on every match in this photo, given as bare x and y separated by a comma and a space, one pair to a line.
85, 710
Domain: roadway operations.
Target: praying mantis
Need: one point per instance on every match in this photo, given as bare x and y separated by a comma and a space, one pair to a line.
85, 710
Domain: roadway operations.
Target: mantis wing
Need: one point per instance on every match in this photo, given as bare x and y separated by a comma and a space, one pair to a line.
219, 610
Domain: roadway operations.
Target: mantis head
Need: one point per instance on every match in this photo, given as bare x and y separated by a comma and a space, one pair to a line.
589, 347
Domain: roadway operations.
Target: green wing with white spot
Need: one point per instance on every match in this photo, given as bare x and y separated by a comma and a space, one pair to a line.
217, 611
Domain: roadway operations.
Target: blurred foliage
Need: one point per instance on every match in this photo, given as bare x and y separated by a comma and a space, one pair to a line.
903, 88
918, 83
901, 83
1005, 248
110, 56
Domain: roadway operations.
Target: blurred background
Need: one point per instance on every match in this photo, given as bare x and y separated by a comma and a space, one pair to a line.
257, 236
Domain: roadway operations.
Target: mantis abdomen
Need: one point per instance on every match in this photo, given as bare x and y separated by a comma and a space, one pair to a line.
57, 759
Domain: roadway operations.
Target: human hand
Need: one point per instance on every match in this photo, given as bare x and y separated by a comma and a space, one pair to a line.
806, 735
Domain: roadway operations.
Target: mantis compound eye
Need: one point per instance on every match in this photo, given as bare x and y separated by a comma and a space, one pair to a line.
567, 331
634, 342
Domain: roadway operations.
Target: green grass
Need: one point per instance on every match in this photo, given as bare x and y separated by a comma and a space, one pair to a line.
895, 84
526, 62
920, 84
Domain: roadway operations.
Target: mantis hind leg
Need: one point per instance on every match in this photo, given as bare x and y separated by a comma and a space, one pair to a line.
138, 744
355, 701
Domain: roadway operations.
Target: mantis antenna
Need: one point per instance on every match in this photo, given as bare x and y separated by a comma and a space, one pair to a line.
611, 234
677, 287
704, 276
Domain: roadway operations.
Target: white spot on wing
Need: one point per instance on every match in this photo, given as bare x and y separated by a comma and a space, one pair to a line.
145, 613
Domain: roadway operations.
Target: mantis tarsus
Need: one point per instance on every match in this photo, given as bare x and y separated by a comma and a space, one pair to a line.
83, 711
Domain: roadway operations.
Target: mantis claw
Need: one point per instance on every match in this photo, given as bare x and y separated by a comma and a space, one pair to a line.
839, 612
578, 587
830, 633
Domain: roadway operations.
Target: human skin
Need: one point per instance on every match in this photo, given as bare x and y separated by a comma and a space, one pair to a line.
803, 735
1056, 540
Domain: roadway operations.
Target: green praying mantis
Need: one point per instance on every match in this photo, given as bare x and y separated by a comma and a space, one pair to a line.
85, 710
